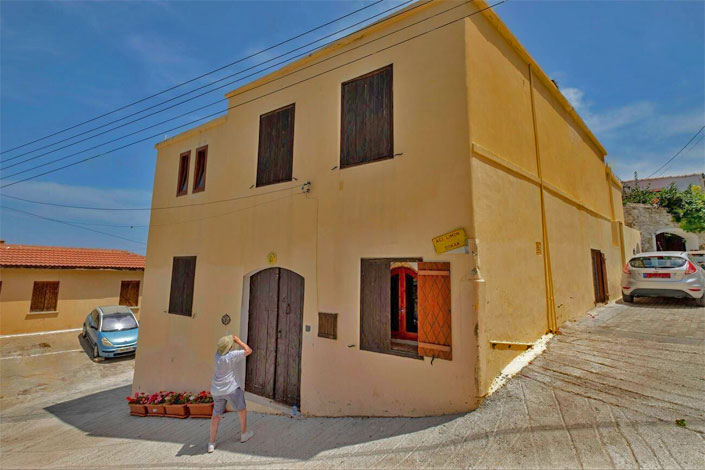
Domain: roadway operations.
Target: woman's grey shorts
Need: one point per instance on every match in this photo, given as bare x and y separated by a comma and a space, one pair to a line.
237, 399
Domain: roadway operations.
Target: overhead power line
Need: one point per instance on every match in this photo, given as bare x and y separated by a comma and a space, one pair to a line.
266, 94
677, 153
178, 85
70, 224
302, 186
396, 7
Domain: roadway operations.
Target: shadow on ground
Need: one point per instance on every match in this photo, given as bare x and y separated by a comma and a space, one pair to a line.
88, 349
105, 414
651, 302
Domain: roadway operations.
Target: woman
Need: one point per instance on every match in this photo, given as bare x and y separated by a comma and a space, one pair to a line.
226, 386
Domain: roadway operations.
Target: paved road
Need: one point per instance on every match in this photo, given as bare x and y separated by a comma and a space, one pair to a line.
605, 394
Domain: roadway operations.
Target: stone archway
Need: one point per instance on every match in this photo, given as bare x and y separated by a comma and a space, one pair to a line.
674, 239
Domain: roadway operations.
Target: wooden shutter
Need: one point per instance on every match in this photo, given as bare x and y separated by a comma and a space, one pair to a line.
375, 330
276, 146
199, 174
182, 280
603, 276
182, 179
45, 296
130, 293
328, 325
38, 291
434, 310
366, 124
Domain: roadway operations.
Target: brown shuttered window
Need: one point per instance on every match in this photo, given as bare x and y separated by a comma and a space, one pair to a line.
199, 174
44, 296
434, 310
375, 329
130, 293
276, 146
182, 181
366, 119
183, 274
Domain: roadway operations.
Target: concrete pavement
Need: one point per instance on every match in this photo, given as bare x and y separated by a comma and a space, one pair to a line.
605, 394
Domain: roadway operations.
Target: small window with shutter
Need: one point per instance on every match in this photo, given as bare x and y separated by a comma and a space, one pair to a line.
129, 293
405, 307
199, 173
45, 296
328, 325
276, 146
366, 124
183, 274
182, 180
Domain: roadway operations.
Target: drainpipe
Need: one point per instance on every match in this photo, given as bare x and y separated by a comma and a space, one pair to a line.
551, 320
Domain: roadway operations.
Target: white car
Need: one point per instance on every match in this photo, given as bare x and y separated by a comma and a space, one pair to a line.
664, 274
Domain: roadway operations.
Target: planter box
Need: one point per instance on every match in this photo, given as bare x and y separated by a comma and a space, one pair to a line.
137, 410
200, 410
155, 410
176, 411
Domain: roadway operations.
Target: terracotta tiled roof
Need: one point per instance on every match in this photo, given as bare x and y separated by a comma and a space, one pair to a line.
62, 257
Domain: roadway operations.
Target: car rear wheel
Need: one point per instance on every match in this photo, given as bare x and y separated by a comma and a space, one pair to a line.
96, 353
628, 298
701, 301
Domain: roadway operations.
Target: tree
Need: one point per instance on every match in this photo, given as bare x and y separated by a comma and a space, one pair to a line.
687, 207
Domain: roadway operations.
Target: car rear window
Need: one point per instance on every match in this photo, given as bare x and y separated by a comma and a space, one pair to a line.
657, 262
118, 322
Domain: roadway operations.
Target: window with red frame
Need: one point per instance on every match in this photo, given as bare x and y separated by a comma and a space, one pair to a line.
403, 297
199, 180
182, 182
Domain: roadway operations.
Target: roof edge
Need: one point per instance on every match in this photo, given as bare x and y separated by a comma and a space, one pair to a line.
504, 31
190, 132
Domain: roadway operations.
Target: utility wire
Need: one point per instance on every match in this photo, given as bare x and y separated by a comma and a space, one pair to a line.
302, 186
677, 153
70, 224
194, 90
266, 94
195, 78
695, 144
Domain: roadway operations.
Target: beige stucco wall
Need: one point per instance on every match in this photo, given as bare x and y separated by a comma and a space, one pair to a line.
459, 92
390, 208
581, 200
80, 291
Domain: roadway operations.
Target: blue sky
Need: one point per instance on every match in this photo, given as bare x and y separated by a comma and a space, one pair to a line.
635, 71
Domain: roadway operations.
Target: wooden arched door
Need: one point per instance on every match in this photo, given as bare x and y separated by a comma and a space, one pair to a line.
274, 332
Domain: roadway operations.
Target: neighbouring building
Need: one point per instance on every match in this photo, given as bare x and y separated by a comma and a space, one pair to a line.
387, 221
682, 182
659, 232
48, 288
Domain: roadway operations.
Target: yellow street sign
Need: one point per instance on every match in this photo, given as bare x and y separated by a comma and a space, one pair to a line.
450, 241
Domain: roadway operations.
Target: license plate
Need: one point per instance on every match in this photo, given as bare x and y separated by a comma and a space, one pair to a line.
122, 350
659, 275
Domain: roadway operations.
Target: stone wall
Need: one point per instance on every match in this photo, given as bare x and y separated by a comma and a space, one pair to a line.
650, 220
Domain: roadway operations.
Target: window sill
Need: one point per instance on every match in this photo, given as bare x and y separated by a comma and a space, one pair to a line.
395, 352
43, 313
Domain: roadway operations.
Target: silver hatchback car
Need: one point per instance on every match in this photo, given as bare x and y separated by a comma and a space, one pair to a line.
663, 274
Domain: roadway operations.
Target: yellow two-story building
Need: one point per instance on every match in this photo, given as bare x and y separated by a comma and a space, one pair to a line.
385, 221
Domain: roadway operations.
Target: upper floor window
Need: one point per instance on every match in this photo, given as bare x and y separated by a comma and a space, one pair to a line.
276, 146
199, 174
366, 119
182, 181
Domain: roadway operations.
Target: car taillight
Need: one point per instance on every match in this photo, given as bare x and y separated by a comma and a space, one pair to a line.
626, 269
690, 268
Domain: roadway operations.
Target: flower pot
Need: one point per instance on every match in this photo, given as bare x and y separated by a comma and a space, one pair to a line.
137, 410
155, 410
176, 411
200, 410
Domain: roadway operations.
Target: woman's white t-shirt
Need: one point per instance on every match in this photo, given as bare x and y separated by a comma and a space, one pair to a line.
225, 378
